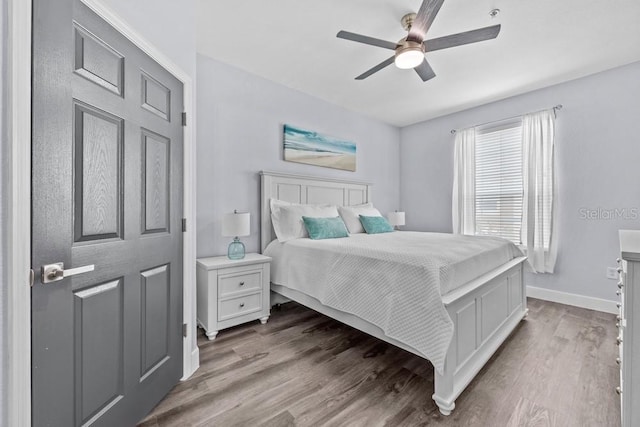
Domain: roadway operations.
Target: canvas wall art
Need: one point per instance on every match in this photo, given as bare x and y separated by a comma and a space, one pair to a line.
313, 148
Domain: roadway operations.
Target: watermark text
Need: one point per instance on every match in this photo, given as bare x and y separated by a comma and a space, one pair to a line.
605, 214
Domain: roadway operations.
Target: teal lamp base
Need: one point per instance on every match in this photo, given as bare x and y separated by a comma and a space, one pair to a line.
236, 249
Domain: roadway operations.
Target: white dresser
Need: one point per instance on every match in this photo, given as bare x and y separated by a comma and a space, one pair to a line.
231, 292
629, 327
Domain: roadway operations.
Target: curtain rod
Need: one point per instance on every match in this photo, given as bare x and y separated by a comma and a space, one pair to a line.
555, 108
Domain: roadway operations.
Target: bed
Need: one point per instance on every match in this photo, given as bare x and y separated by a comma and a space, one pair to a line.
465, 313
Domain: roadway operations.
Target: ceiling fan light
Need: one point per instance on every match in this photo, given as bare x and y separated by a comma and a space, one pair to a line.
409, 55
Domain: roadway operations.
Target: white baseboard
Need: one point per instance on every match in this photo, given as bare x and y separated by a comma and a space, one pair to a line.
575, 300
194, 364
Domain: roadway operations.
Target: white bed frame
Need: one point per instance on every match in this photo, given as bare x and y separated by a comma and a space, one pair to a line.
484, 311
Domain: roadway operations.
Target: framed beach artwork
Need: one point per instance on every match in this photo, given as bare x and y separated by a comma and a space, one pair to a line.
313, 148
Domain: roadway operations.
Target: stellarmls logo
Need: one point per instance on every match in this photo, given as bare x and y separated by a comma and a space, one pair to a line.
602, 214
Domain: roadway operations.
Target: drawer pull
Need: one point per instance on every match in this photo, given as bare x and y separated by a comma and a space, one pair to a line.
618, 325
618, 305
241, 304
618, 341
619, 269
618, 292
618, 391
618, 318
241, 283
618, 361
620, 285
618, 260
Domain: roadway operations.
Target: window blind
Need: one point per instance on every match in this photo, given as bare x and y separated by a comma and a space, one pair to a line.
499, 190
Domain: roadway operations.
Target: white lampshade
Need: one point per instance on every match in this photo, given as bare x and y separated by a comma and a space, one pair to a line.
396, 218
236, 224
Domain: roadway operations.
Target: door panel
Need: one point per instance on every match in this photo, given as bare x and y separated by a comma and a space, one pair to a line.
155, 169
97, 61
98, 170
99, 339
155, 96
154, 345
107, 191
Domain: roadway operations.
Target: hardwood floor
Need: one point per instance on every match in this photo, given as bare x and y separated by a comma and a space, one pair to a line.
304, 369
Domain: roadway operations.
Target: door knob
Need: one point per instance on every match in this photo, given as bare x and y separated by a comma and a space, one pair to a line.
55, 272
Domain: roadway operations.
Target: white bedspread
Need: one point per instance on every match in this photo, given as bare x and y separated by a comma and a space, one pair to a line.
392, 280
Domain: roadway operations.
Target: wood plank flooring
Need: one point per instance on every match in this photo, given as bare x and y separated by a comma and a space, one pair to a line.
304, 369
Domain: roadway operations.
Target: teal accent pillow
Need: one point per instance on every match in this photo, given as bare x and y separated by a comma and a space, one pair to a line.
375, 224
325, 228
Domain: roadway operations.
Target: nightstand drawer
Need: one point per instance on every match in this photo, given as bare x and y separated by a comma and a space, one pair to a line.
229, 285
239, 306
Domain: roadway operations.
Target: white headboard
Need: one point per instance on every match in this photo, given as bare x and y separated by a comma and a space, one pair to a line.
306, 190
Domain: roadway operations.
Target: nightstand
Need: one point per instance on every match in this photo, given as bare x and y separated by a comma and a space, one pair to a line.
231, 292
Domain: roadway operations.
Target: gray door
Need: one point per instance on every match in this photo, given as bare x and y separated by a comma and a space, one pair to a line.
107, 191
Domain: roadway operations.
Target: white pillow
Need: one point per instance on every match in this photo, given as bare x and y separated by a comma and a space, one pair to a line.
277, 204
287, 218
351, 216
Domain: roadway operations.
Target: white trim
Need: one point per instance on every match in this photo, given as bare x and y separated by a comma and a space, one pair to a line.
17, 226
190, 347
575, 300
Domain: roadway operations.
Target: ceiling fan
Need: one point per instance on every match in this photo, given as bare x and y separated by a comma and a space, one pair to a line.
410, 50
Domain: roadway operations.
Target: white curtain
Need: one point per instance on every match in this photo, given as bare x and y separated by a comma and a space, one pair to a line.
539, 234
464, 185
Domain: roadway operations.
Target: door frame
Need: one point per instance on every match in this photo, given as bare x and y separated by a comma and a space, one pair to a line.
17, 224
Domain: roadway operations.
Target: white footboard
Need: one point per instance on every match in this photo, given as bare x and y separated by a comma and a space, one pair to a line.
484, 312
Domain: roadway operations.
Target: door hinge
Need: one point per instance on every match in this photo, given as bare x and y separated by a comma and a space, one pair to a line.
184, 119
184, 330
184, 225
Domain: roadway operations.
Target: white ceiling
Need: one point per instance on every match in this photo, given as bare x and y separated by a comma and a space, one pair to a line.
542, 42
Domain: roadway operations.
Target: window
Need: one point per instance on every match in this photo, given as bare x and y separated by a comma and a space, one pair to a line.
498, 182
504, 184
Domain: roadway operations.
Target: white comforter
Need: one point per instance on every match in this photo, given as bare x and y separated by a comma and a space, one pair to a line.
392, 280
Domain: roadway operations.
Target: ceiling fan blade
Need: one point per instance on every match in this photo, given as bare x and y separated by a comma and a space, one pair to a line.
459, 39
366, 40
424, 18
425, 71
375, 69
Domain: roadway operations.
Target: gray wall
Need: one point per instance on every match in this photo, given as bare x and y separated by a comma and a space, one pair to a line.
597, 153
240, 118
167, 24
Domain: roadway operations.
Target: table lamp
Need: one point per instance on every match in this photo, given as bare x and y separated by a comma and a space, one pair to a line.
234, 225
396, 218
